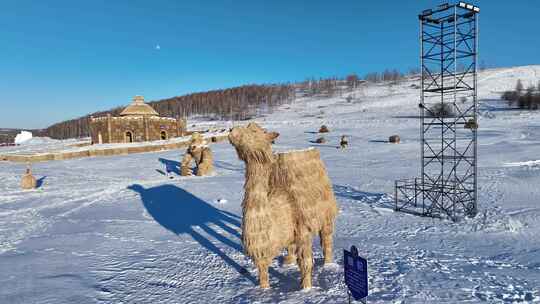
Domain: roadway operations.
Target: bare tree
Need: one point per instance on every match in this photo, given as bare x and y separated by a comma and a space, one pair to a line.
519, 87
413, 71
372, 77
352, 81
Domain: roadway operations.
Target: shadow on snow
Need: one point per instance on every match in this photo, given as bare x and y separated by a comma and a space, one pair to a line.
40, 181
170, 165
371, 198
228, 166
181, 212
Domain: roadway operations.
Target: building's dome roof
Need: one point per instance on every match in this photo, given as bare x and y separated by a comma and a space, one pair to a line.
138, 107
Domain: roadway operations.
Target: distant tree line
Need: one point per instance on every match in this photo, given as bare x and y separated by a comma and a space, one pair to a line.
237, 103
333, 86
387, 75
523, 98
8, 135
6, 138
327, 87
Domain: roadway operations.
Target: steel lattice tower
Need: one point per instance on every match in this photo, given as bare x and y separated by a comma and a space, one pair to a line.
447, 185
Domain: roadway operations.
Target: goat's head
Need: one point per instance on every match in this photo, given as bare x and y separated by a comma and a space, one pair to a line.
252, 143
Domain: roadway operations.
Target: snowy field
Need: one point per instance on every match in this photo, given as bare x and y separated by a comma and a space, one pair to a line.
44, 145
117, 230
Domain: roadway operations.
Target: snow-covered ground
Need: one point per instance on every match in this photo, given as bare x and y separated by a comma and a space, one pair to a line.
117, 230
45, 145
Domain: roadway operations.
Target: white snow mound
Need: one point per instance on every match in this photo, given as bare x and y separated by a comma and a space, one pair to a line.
23, 137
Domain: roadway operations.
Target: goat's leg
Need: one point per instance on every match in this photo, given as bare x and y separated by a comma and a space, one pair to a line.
205, 165
262, 266
327, 241
291, 255
305, 259
185, 170
203, 168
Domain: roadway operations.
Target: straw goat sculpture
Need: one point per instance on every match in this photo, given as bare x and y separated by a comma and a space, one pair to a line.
199, 151
288, 199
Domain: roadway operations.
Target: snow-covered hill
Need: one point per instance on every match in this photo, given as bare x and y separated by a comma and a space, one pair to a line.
116, 230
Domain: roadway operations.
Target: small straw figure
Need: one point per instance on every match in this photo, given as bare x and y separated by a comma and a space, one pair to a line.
324, 129
199, 151
471, 124
344, 142
394, 139
28, 181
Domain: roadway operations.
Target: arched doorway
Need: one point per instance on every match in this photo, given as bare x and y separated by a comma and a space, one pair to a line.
129, 136
163, 135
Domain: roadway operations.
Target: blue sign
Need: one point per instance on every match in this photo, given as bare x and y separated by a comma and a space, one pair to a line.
356, 277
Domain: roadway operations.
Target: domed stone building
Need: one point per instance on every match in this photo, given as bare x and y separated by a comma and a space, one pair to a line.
137, 122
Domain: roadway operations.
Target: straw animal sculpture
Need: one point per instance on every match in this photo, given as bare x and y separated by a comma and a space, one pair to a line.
324, 129
28, 181
471, 124
394, 139
344, 142
198, 151
288, 199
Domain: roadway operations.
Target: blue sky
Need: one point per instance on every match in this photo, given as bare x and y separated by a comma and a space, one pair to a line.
63, 59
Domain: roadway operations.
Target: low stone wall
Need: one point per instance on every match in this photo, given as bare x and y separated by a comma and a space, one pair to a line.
83, 144
24, 158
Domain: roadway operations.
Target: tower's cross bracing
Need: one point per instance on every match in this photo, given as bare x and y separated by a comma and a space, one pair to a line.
447, 186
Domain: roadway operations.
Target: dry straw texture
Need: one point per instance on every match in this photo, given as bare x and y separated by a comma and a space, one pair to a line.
199, 151
288, 199
28, 181
185, 166
205, 166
